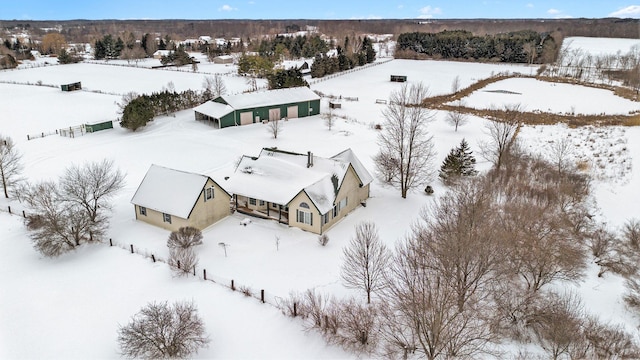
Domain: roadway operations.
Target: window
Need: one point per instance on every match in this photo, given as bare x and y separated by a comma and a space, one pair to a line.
143, 210
166, 218
325, 218
261, 203
208, 193
252, 201
305, 217
304, 205
343, 203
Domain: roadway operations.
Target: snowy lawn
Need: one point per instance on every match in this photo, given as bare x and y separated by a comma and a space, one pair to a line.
599, 46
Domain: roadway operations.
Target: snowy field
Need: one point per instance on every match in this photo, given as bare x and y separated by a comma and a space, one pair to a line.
73, 304
541, 96
600, 46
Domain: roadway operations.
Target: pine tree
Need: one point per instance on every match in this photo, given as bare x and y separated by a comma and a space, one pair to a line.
460, 162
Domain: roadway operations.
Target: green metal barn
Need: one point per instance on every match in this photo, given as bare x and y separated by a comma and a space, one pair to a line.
250, 108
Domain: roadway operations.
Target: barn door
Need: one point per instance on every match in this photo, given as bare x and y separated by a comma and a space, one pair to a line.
246, 118
292, 112
274, 114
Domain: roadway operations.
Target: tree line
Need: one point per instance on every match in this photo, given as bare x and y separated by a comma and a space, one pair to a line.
514, 47
348, 56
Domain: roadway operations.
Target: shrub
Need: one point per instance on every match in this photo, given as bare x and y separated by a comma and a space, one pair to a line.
428, 190
323, 239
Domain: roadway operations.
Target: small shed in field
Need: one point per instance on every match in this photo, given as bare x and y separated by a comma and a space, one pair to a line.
71, 87
98, 126
256, 107
398, 78
335, 104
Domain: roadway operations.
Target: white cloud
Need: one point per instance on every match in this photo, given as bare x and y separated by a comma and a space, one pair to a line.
530, 6
427, 12
226, 7
400, 6
553, 11
632, 11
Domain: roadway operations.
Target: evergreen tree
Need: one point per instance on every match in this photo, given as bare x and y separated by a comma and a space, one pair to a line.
460, 162
282, 79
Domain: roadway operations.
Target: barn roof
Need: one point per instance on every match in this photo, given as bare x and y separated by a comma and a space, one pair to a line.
214, 109
169, 191
270, 97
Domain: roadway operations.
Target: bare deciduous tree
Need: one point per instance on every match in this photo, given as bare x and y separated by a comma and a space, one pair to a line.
422, 314
404, 137
387, 166
184, 238
91, 186
502, 135
10, 165
457, 118
329, 119
561, 152
73, 211
252, 82
126, 99
214, 86
182, 260
459, 232
359, 325
275, 127
161, 330
455, 84
56, 226
365, 260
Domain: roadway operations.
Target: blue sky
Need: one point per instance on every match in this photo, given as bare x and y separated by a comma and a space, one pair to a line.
314, 9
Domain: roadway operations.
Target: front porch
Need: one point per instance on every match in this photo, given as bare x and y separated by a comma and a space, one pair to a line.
261, 209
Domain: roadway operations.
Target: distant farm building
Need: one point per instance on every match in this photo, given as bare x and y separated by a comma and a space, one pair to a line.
302, 190
172, 199
72, 86
98, 126
250, 108
398, 78
223, 59
160, 53
335, 104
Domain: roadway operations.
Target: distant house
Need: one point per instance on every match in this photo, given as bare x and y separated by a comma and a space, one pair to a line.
172, 199
301, 190
160, 53
249, 108
223, 59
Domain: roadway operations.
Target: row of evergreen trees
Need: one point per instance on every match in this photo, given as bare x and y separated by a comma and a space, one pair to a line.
292, 47
142, 109
515, 47
345, 59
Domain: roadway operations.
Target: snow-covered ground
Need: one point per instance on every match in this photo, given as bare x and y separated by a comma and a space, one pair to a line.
73, 304
536, 95
600, 46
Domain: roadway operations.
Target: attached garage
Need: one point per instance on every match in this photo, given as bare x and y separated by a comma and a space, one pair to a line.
249, 108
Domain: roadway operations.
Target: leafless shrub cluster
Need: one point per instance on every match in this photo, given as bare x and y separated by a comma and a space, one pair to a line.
182, 261
161, 331
184, 238
74, 210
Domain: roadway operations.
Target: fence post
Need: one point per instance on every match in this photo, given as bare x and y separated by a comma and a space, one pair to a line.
194, 270
28, 137
233, 287
153, 257
24, 215
9, 209
110, 242
204, 271
178, 264
132, 248
295, 309
262, 295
